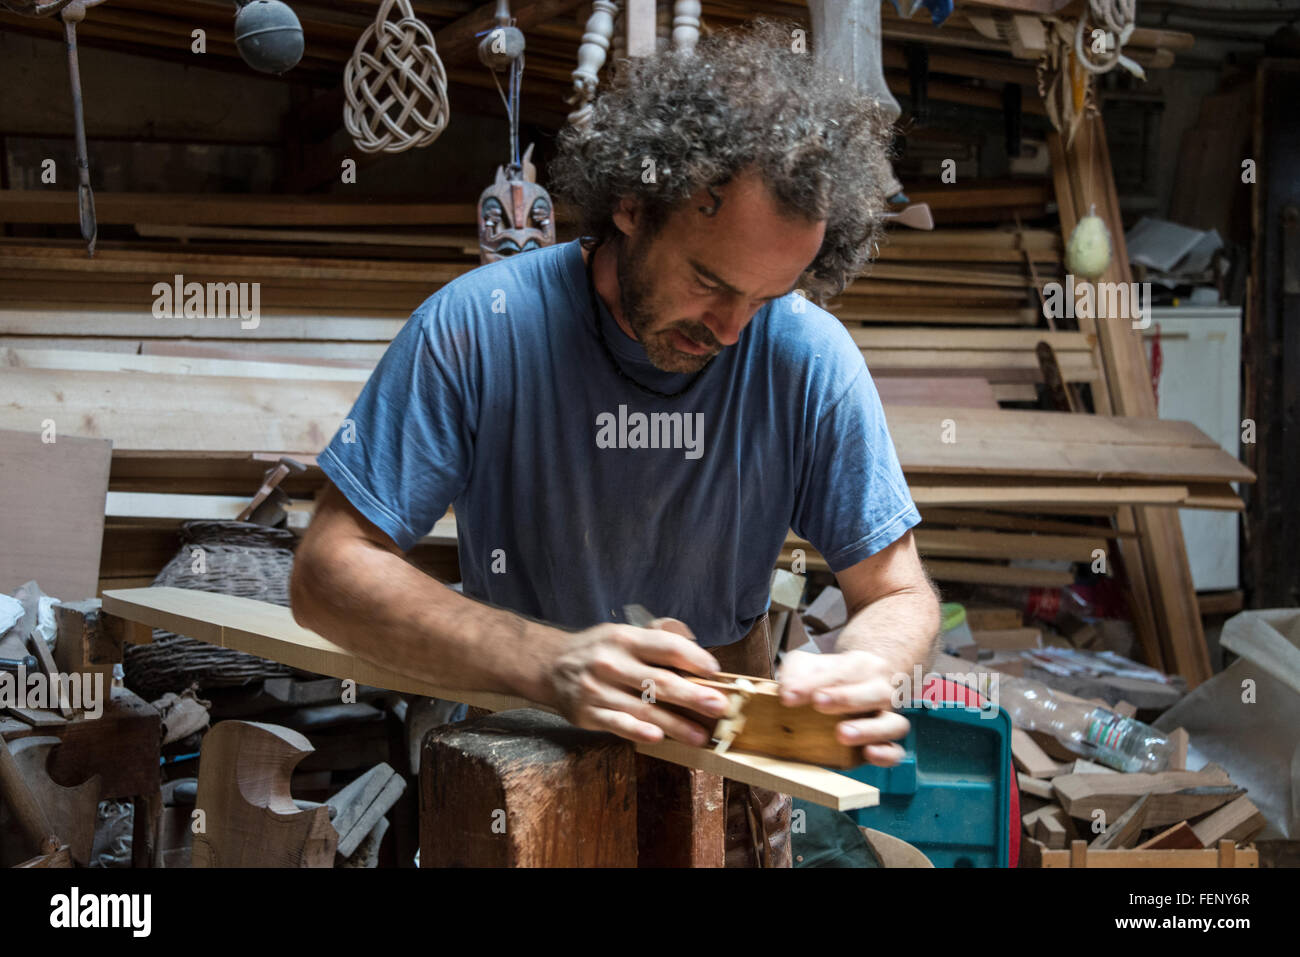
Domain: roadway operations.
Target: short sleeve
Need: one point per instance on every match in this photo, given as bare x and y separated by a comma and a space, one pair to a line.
405, 451
852, 499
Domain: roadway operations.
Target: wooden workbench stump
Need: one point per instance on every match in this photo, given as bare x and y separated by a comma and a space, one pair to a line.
681, 815
525, 788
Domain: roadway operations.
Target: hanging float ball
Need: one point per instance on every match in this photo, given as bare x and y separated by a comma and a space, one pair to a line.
500, 46
1088, 252
268, 36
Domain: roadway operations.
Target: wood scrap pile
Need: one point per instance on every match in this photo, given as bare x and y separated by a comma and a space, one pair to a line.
1072, 808
1138, 819
811, 628
111, 744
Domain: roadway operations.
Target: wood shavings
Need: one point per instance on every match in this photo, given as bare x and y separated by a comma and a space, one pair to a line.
733, 722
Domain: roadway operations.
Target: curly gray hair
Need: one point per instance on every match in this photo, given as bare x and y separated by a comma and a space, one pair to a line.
743, 99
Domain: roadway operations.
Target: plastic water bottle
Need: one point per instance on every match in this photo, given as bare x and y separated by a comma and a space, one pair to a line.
1127, 744
1091, 731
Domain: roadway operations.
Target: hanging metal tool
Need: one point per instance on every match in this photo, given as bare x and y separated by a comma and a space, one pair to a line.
71, 12
71, 15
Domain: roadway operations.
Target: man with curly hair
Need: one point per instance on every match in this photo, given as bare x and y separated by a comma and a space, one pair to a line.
639, 417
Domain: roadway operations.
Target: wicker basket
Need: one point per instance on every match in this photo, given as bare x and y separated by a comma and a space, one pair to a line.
238, 558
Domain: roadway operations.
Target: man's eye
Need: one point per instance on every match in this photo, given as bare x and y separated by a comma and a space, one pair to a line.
704, 286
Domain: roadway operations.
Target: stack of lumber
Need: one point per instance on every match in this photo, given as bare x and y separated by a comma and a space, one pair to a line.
164, 223
940, 312
974, 489
1006, 359
958, 276
184, 424
948, 323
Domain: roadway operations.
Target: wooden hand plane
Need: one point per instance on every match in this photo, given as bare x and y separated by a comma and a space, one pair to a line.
757, 721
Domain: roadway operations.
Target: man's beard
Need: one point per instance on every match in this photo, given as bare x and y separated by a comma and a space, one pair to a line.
636, 301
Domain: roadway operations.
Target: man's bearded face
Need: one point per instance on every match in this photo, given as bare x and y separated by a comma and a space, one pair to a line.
673, 345
690, 287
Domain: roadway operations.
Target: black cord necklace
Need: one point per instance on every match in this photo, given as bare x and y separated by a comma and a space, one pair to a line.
600, 334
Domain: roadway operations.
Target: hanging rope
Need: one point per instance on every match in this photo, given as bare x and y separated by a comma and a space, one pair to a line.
1119, 19
397, 92
511, 101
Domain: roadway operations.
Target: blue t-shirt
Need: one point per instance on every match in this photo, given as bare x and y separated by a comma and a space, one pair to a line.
577, 493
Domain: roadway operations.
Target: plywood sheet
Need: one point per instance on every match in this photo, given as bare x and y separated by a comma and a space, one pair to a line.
52, 510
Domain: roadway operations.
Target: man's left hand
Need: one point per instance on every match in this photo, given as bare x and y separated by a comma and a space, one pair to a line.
849, 682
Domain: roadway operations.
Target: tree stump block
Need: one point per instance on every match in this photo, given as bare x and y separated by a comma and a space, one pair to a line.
525, 788
681, 815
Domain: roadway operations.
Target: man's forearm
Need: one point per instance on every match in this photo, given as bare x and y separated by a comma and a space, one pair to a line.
375, 604
901, 627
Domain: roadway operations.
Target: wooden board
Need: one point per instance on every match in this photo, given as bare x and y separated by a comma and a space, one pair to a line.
966, 543
198, 209
162, 505
72, 360
52, 507
1123, 831
1179, 835
968, 392
1030, 758
985, 573
269, 631
978, 442
1037, 787
827, 611
1238, 820
1008, 639
1069, 497
137, 323
161, 412
166, 411
969, 340
1173, 796
993, 366
1080, 855
250, 818
979, 518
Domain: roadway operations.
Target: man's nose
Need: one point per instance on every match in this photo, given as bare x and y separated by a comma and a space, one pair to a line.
727, 319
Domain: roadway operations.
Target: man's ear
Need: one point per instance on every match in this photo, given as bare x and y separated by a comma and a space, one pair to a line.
627, 216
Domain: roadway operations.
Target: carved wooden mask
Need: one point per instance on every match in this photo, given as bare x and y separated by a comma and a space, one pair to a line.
514, 213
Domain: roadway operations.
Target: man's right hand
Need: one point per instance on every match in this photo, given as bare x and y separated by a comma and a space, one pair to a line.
613, 677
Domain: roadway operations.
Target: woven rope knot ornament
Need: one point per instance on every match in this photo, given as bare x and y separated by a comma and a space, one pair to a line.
395, 85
